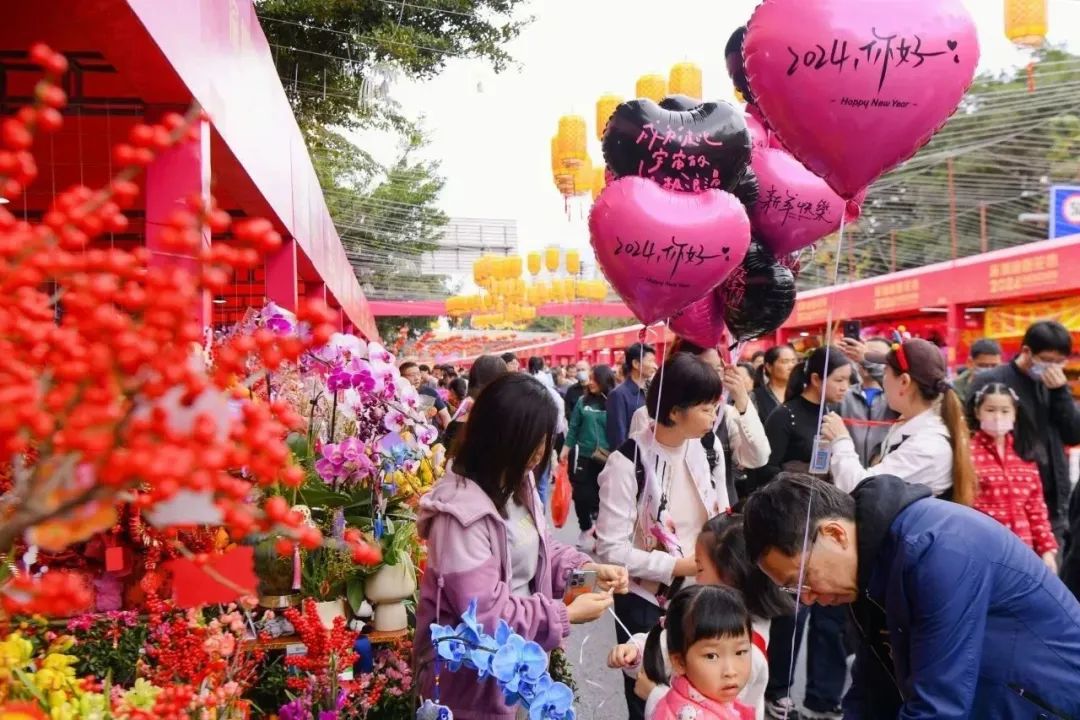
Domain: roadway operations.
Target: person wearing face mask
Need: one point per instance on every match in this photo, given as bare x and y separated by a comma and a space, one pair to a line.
1003, 449
865, 408
1037, 376
985, 354
577, 390
587, 450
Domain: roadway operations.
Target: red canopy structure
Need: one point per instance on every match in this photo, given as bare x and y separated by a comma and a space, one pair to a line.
953, 291
134, 60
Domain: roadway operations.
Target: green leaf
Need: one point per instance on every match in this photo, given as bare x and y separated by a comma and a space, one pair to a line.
354, 592
298, 444
318, 495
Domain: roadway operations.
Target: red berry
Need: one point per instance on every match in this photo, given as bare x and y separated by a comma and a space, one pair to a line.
276, 508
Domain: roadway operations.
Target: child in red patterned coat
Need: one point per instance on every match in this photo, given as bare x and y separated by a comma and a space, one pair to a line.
1003, 450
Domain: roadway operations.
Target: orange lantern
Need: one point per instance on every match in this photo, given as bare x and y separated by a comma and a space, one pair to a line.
572, 139
551, 259
573, 262
599, 181
685, 79
1026, 22
653, 87
534, 263
605, 107
583, 177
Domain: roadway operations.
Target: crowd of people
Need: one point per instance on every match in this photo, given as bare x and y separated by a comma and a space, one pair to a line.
858, 496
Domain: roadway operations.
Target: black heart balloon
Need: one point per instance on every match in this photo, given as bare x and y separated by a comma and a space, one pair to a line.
759, 296
747, 189
736, 71
704, 148
682, 103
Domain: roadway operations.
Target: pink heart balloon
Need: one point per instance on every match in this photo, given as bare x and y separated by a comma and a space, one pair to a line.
855, 87
702, 322
759, 134
795, 207
661, 250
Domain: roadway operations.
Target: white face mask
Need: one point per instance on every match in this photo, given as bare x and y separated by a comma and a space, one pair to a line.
583, 377
997, 426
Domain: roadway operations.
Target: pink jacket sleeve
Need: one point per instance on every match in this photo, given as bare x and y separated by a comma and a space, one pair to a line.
468, 568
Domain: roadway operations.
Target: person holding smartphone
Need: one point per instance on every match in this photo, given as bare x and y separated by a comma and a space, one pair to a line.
488, 542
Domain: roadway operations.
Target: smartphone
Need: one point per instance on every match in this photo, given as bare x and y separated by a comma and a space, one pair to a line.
853, 329
580, 583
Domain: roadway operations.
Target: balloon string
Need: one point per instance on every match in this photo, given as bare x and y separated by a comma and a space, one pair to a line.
829, 323
821, 418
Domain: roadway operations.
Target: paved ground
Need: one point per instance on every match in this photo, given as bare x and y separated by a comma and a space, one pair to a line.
600, 689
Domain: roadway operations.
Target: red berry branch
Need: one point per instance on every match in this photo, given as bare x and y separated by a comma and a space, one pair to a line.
111, 403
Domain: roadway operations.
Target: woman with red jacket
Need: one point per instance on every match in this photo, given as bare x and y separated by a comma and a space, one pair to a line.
1010, 490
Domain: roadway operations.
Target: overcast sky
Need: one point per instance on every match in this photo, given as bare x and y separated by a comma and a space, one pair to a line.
492, 132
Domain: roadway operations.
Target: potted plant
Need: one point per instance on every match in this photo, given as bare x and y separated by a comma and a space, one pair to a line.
394, 582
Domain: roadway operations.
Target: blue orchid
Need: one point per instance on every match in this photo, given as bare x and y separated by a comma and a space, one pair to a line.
552, 701
518, 665
449, 645
468, 618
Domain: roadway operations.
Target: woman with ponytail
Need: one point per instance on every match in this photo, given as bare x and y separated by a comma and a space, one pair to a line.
929, 444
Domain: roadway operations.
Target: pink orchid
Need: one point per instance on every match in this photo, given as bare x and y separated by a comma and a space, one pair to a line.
394, 420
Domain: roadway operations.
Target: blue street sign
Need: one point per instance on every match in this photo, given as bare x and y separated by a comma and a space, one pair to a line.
1064, 211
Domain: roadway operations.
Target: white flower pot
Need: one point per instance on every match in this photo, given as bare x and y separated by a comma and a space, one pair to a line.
329, 610
390, 617
391, 583
387, 589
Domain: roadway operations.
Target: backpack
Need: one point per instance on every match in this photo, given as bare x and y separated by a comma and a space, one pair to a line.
629, 450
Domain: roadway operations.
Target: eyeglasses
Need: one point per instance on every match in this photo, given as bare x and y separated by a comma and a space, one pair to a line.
798, 590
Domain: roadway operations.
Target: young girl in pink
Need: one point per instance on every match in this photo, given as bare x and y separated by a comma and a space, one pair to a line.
709, 644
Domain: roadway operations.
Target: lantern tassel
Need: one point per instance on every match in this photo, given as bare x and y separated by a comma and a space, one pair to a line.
296, 567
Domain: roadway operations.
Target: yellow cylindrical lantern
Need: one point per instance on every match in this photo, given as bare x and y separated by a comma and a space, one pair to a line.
543, 293
551, 259
583, 177
572, 140
573, 262
481, 269
599, 180
556, 158
534, 263
1025, 22
513, 267
653, 87
570, 288
685, 79
605, 106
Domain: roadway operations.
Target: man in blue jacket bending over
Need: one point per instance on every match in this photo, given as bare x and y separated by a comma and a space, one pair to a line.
957, 617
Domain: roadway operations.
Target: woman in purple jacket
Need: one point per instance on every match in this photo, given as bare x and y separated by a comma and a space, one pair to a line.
488, 540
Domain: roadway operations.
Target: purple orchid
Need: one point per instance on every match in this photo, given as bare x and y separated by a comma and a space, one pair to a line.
344, 462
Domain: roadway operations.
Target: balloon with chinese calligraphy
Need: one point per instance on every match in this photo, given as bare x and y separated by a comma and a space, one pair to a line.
663, 250
733, 54
855, 87
680, 103
795, 207
759, 296
702, 322
705, 148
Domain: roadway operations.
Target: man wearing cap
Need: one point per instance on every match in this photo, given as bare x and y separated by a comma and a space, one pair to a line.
956, 617
928, 445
